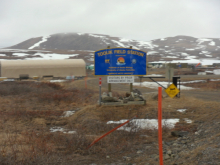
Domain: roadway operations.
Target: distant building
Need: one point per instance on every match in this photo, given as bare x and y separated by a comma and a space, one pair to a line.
42, 68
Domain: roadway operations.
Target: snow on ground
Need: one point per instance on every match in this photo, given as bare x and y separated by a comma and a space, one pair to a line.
20, 50
154, 85
192, 61
68, 113
151, 52
151, 75
57, 81
2, 54
60, 129
181, 110
145, 123
201, 40
187, 120
125, 40
216, 71
170, 57
53, 56
20, 54
147, 44
44, 39
119, 43
212, 43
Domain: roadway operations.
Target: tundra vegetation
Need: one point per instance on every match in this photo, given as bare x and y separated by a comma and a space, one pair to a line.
29, 112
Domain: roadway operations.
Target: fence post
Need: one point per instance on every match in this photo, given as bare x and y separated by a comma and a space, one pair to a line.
160, 125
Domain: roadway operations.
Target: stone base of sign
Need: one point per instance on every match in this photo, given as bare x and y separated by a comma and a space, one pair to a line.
122, 103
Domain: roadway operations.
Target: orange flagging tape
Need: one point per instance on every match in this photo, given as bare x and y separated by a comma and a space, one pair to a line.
109, 132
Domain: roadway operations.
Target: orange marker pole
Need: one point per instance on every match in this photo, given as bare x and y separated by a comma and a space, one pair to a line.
160, 125
109, 133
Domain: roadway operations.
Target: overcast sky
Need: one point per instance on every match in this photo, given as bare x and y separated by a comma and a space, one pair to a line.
133, 19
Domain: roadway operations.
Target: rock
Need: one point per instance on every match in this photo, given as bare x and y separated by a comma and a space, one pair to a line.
138, 99
107, 157
166, 157
137, 91
175, 144
179, 133
139, 152
108, 99
126, 158
169, 152
130, 98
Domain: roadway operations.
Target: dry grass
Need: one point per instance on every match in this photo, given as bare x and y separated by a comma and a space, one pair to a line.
29, 109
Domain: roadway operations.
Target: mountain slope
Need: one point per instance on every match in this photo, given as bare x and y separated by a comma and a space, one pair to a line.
164, 49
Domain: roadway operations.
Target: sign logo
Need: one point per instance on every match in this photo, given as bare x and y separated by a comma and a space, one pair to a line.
120, 62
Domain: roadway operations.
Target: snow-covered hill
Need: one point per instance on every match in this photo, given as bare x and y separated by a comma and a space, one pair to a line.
82, 45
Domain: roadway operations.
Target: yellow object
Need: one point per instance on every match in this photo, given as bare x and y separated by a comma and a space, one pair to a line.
3, 78
35, 77
172, 90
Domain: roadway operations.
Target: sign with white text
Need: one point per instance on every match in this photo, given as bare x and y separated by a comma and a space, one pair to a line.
120, 62
120, 79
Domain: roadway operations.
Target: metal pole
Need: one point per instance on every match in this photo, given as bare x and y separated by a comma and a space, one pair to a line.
100, 95
110, 89
179, 87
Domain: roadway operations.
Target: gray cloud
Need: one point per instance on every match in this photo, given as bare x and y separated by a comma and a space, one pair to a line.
139, 19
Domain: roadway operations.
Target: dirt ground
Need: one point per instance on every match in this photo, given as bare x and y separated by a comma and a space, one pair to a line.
35, 130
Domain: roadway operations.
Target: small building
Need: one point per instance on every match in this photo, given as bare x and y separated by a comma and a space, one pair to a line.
42, 68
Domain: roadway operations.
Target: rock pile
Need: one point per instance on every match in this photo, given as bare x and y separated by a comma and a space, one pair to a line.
136, 95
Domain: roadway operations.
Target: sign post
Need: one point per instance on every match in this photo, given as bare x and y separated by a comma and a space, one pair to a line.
100, 85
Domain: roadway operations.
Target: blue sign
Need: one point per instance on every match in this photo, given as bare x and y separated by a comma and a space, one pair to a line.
120, 61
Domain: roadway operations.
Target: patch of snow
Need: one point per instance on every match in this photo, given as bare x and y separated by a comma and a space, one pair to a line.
145, 123
119, 43
44, 39
2, 54
156, 75
68, 113
181, 110
187, 120
55, 81
216, 71
201, 40
212, 43
170, 57
125, 40
80, 34
163, 39
154, 85
98, 36
190, 57
190, 49
20, 54
152, 52
184, 54
52, 56
56, 129
147, 44
60, 129
191, 61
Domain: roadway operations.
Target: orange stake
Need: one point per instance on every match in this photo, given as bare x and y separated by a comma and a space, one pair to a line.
160, 124
109, 133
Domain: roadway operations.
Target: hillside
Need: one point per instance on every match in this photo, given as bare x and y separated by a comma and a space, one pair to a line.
82, 45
